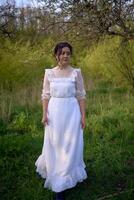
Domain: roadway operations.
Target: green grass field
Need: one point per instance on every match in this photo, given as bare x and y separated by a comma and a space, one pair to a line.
108, 152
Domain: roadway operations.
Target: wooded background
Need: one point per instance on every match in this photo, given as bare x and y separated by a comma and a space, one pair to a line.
101, 32
102, 35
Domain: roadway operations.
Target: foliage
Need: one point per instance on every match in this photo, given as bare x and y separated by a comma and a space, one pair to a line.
88, 20
108, 150
110, 60
21, 64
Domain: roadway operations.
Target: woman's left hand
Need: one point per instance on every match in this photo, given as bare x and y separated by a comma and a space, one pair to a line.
83, 122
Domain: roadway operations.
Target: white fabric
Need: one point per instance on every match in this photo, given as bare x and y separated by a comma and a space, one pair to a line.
61, 161
80, 92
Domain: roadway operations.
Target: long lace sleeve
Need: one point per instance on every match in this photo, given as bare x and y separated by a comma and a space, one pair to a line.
46, 87
80, 90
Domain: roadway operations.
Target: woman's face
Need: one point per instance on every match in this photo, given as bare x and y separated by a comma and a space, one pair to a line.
64, 57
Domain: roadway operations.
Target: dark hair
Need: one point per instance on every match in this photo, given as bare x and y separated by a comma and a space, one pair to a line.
60, 45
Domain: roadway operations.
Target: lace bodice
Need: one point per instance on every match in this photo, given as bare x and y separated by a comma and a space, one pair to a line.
63, 83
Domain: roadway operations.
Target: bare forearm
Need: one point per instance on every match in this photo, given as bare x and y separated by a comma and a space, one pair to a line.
45, 106
82, 106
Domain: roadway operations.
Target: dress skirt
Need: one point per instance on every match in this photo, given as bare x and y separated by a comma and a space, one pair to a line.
61, 161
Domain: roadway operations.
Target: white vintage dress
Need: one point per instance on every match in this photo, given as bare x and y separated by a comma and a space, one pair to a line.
61, 161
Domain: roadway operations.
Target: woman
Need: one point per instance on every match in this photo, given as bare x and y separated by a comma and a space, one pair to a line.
63, 96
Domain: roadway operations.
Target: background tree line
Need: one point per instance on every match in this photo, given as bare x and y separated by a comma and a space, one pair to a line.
102, 35
87, 19
99, 30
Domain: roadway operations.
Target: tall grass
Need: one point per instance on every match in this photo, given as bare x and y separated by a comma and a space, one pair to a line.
108, 150
108, 136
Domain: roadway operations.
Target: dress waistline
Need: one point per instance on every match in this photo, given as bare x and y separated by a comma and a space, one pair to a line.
63, 97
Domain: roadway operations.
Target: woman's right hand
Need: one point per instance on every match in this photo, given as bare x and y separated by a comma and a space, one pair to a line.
45, 120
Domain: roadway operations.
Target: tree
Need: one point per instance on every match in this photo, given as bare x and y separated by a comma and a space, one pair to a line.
8, 19
94, 18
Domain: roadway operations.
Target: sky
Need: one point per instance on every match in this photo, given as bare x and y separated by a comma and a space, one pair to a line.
19, 3
23, 2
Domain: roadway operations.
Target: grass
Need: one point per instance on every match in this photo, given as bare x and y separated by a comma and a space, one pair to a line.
108, 152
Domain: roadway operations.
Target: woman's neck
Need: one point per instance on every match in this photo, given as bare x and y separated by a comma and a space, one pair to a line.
60, 66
